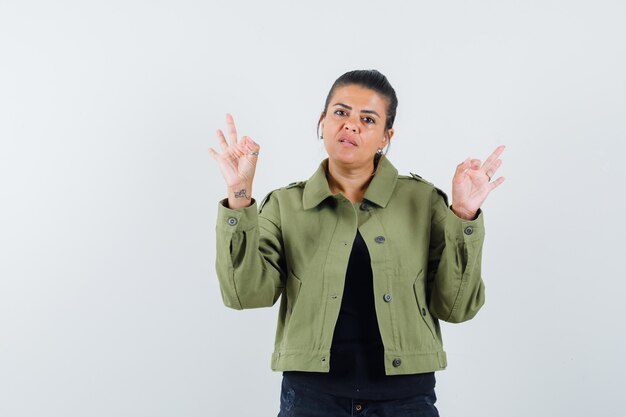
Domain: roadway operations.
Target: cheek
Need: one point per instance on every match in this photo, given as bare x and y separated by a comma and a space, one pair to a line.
327, 146
328, 129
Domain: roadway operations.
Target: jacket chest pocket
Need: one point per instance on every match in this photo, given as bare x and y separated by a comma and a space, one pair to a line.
419, 288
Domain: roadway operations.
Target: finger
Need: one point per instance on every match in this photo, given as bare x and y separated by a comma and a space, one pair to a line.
222, 140
496, 183
251, 145
491, 171
475, 164
493, 157
232, 130
461, 171
250, 148
214, 154
462, 167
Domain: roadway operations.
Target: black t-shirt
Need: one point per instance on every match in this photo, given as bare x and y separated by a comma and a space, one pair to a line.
356, 356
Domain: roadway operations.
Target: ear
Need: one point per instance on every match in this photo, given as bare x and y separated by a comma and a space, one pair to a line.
321, 121
387, 137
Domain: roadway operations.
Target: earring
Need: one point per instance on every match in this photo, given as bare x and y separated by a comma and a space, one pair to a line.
379, 151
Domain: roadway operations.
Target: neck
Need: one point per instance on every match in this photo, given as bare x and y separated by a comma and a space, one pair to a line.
350, 181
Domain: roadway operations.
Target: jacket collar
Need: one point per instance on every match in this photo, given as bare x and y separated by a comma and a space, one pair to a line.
378, 192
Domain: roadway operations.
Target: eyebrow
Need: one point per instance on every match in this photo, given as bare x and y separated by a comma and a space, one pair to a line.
362, 111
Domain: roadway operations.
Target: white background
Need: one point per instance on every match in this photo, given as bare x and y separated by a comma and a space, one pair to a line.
109, 303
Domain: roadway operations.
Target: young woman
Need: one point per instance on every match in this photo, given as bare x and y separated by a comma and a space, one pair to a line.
365, 261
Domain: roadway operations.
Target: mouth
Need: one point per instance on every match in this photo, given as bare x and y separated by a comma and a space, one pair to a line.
347, 141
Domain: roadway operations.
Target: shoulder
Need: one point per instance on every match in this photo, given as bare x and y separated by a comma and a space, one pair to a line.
288, 192
414, 180
296, 184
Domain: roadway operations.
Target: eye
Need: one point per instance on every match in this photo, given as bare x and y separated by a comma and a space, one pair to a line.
368, 120
340, 112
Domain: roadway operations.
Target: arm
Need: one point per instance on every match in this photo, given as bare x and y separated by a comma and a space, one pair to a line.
249, 245
455, 283
250, 257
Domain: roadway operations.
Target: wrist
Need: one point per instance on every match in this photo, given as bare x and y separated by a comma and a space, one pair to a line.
464, 214
239, 196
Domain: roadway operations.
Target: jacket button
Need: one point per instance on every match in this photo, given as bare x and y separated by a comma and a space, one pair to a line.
387, 297
423, 311
396, 362
468, 230
232, 221
380, 239
365, 206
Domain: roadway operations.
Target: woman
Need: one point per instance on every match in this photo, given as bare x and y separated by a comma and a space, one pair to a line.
366, 261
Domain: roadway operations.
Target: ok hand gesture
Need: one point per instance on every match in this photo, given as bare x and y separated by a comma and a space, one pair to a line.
237, 163
472, 184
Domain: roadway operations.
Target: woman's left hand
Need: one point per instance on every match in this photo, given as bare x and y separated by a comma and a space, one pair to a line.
472, 184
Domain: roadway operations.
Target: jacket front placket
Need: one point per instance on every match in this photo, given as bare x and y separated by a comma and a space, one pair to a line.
335, 267
377, 243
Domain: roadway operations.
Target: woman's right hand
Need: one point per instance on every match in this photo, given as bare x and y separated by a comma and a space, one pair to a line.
237, 163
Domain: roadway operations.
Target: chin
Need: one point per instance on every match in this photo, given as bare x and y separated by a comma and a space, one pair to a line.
348, 160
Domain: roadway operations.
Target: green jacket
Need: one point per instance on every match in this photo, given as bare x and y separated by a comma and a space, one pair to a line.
425, 263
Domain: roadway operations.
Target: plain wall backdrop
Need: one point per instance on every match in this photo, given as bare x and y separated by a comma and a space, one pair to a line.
109, 303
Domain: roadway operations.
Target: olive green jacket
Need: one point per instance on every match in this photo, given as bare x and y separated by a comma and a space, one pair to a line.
425, 263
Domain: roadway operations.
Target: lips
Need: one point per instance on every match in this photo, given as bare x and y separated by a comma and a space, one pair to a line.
347, 141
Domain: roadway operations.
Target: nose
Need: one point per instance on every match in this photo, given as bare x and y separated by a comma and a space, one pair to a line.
351, 125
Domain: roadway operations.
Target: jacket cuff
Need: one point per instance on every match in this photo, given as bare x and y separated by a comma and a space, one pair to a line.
236, 220
465, 230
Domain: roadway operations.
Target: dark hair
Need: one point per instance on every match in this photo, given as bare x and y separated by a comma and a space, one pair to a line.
373, 80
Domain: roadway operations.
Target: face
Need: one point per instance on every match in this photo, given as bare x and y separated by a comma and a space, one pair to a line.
354, 126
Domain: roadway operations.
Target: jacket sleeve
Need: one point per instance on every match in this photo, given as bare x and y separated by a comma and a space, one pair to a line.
249, 260
456, 287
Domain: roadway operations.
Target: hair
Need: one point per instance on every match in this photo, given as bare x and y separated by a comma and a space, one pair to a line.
370, 79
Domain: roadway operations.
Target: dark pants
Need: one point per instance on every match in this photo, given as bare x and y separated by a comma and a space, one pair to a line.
300, 401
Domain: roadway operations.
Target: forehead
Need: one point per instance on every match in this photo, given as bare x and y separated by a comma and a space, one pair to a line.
359, 98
